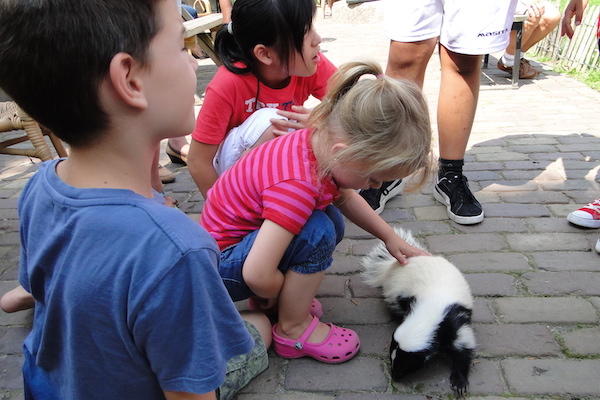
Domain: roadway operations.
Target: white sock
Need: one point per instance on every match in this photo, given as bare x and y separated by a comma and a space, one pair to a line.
508, 60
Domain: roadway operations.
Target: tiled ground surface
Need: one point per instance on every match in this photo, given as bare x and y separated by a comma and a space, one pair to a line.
534, 156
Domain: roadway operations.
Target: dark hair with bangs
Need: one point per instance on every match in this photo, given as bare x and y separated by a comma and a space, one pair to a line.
281, 24
55, 53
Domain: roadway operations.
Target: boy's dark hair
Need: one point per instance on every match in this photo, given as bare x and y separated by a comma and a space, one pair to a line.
280, 24
55, 53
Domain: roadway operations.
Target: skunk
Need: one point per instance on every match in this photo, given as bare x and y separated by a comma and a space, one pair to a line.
434, 304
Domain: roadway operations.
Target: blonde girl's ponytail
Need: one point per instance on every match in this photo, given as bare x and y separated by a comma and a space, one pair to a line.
384, 121
339, 84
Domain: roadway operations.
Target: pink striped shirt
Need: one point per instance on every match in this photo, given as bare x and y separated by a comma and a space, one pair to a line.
276, 181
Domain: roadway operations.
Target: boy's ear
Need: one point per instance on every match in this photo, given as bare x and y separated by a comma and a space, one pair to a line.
125, 74
264, 54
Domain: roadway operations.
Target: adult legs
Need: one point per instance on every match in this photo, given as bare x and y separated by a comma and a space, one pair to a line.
459, 91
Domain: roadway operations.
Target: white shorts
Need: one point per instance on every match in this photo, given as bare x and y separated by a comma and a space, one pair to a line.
463, 26
243, 137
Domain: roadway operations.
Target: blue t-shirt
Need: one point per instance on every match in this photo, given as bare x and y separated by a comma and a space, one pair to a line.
129, 301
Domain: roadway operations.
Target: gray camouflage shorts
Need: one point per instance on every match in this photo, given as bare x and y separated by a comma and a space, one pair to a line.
243, 368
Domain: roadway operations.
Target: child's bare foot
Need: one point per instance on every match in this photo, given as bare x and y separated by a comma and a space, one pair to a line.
16, 299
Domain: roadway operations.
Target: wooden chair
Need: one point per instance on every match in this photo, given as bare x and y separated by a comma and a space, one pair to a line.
13, 118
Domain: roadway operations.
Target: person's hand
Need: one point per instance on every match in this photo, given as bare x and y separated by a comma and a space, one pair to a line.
575, 8
401, 250
296, 119
535, 13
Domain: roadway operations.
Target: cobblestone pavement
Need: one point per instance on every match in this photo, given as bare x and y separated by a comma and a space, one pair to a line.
534, 156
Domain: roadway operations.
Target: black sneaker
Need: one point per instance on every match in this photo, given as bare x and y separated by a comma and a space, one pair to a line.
453, 191
378, 197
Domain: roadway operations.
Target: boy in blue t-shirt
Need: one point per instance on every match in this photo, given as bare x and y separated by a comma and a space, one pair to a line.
128, 300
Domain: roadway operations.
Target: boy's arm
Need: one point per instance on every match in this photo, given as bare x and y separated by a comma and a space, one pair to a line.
189, 396
357, 210
260, 268
200, 165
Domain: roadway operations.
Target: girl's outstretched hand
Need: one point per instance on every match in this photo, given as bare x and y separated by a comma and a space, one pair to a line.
402, 250
296, 119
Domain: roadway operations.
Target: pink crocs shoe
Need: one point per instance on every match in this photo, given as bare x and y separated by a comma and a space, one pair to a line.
340, 345
316, 308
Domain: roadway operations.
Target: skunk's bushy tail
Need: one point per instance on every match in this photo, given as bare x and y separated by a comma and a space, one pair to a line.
379, 261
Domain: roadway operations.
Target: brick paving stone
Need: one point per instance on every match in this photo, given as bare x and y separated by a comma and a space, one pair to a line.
10, 238
375, 339
561, 283
582, 197
485, 378
465, 242
343, 264
515, 210
347, 286
523, 165
547, 241
481, 149
12, 395
271, 380
578, 139
380, 396
515, 339
286, 396
360, 373
487, 197
362, 247
360, 289
485, 166
10, 372
553, 376
492, 284
555, 156
585, 341
534, 140
482, 175
595, 301
492, 225
542, 225
432, 213
11, 339
579, 147
508, 186
8, 193
355, 311
407, 200
8, 203
396, 214
344, 247
561, 210
482, 311
571, 184
490, 262
534, 197
425, 227
534, 175
545, 309
567, 261
354, 232
502, 156
533, 148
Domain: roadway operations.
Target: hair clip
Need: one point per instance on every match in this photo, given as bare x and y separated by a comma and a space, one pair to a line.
230, 28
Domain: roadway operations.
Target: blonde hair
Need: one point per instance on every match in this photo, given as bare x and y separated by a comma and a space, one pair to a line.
385, 121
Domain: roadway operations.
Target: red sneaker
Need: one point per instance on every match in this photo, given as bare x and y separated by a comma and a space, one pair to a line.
587, 216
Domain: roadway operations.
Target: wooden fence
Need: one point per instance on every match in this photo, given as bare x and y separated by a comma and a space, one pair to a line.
581, 52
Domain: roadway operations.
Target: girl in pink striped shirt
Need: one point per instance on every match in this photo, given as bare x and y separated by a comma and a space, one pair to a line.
272, 214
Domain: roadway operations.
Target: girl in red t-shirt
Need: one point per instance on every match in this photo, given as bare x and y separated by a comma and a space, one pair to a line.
272, 64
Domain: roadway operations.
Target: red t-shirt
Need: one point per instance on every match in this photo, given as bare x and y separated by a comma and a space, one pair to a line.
276, 181
231, 98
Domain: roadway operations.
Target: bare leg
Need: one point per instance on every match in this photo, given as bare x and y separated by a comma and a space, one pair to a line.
294, 304
549, 21
459, 91
16, 299
409, 60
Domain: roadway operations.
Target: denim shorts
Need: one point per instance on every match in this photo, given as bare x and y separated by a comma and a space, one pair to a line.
309, 252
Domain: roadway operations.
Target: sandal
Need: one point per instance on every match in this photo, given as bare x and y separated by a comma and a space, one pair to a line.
340, 345
316, 308
175, 156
